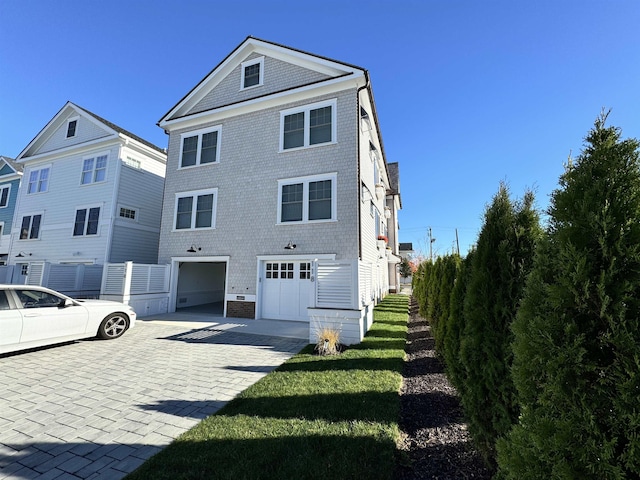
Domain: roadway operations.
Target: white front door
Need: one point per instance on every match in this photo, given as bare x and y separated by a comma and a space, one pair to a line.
286, 290
20, 273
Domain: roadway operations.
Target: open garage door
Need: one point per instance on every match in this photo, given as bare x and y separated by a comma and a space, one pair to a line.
201, 286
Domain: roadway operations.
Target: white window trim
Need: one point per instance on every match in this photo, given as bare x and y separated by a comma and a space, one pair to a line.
248, 63
199, 134
86, 220
194, 194
8, 188
2, 232
128, 207
307, 109
305, 197
38, 169
66, 129
95, 156
131, 162
19, 226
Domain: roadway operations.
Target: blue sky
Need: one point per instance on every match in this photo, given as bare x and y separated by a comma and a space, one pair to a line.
469, 93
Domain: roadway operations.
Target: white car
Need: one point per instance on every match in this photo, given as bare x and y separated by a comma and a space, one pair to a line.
36, 316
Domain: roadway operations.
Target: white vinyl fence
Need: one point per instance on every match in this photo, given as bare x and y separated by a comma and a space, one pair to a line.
143, 286
80, 281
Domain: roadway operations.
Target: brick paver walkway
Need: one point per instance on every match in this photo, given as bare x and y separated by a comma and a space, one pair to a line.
98, 409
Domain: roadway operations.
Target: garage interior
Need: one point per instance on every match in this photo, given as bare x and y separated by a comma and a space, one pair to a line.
201, 287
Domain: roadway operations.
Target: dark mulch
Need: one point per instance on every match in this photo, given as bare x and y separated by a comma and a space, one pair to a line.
435, 440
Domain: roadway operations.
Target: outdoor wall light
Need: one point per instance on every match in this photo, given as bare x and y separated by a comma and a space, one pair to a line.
23, 254
194, 249
290, 246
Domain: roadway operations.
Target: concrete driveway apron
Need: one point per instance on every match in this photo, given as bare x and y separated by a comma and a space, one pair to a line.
98, 409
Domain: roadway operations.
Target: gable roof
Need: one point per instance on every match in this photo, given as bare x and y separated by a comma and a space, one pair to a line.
16, 167
68, 109
332, 68
124, 132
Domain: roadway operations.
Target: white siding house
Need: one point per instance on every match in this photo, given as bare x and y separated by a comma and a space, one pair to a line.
10, 176
278, 190
91, 194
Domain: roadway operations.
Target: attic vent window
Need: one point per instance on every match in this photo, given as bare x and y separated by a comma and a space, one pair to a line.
71, 128
252, 73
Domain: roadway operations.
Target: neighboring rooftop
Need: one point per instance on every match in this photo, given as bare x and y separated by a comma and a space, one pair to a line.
18, 167
123, 131
406, 247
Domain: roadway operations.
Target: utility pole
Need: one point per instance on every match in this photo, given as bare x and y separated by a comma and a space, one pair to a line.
457, 243
431, 240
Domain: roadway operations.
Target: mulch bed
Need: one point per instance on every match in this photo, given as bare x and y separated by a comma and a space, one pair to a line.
435, 440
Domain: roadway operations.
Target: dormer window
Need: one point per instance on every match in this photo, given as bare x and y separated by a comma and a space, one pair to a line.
252, 73
72, 126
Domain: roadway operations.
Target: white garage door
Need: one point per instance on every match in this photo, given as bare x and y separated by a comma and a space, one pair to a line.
286, 290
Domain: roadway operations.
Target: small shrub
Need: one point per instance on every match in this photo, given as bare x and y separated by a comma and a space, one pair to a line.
328, 341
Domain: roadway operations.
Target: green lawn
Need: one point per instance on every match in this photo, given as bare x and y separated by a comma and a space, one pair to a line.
314, 417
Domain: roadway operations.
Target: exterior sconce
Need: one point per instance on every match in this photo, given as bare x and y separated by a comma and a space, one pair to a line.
194, 249
290, 246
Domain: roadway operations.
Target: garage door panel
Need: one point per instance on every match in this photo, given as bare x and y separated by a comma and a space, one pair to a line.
286, 290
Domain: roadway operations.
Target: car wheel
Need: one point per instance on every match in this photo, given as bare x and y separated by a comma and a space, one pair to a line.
113, 326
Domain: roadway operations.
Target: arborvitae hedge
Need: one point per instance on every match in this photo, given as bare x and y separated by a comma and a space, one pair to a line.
577, 335
503, 258
455, 325
446, 281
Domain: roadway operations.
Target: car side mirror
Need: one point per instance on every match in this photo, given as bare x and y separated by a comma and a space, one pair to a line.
65, 302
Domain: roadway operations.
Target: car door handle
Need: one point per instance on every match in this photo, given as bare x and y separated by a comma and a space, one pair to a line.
34, 314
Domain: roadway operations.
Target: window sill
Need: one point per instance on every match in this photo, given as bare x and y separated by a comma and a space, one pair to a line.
198, 165
251, 87
308, 222
306, 147
178, 230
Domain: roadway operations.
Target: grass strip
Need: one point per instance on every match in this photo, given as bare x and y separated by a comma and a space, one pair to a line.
315, 417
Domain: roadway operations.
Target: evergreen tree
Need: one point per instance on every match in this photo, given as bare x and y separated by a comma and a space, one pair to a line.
502, 260
577, 335
455, 325
450, 264
405, 268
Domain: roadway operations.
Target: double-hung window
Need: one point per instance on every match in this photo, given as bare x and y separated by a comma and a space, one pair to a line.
307, 199
30, 228
94, 169
196, 210
38, 180
309, 125
86, 222
252, 73
4, 195
200, 147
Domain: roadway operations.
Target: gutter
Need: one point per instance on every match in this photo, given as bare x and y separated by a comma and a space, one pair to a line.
366, 85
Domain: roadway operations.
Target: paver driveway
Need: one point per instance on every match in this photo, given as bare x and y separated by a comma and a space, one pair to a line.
97, 409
